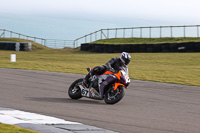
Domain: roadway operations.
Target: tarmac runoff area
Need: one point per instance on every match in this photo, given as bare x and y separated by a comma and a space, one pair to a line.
45, 124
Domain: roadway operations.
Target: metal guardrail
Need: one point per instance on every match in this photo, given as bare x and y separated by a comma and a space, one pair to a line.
140, 32
52, 43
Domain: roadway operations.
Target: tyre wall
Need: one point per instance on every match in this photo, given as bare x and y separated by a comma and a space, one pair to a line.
147, 48
16, 46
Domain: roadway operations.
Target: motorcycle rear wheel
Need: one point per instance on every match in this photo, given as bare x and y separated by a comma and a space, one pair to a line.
118, 95
74, 91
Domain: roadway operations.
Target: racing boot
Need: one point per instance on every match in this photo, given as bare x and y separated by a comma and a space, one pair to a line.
86, 80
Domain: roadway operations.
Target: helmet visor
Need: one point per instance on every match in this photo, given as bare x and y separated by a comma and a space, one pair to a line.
127, 61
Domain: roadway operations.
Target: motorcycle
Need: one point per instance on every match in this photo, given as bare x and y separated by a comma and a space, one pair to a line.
108, 87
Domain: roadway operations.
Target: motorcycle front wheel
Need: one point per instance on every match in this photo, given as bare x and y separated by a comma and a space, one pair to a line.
74, 91
112, 97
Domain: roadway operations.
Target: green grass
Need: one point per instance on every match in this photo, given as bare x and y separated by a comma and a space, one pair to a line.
5, 128
178, 68
147, 40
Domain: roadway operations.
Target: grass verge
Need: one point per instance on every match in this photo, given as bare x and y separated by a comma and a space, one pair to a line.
147, 40
178, 68
5, 128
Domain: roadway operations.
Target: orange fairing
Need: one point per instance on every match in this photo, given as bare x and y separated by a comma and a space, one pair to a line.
118, 75
107, 72
116, 85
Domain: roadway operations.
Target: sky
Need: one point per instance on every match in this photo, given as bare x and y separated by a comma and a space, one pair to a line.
105, 13
174, 10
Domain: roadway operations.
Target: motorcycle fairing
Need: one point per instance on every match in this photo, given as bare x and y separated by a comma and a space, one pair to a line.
118, 75
109, 80
116, 86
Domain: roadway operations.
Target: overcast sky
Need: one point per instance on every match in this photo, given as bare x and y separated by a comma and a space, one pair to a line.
70, 19
185, 11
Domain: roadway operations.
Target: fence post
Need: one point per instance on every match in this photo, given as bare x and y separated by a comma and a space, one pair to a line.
184, 31
11, 34
124, 33
95, 35
116, 33
197, 30
132, 33
91, 37
44, 42
85, 38
104, 34
149, 32
101, 34
4, 33
171, 31
64, 45
107, 33
160, 31
140, 32
74, 43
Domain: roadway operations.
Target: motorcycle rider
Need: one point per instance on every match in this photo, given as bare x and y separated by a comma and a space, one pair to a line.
112, 65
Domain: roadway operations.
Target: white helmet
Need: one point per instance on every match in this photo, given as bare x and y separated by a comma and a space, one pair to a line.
125, 58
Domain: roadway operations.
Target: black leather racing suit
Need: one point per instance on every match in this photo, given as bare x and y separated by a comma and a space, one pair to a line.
113, 65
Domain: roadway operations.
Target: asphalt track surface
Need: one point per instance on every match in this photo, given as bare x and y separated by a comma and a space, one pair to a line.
148, 107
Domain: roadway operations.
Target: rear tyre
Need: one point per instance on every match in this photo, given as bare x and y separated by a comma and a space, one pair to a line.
112, 97
74, 90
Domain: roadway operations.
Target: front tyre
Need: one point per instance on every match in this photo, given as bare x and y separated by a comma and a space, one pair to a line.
74, 90
112, 97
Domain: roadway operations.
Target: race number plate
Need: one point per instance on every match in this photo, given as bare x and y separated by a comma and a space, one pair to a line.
84, 91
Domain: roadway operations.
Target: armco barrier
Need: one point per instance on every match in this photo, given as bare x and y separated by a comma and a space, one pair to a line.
147, 48
16, 46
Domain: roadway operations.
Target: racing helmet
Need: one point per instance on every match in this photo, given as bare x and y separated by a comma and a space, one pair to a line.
125, 58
